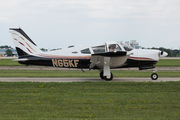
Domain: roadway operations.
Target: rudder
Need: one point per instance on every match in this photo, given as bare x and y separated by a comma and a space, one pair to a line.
24, 45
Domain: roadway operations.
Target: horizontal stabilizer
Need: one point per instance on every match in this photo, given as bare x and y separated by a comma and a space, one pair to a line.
23, 59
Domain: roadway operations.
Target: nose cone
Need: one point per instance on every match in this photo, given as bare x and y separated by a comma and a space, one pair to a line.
163, 54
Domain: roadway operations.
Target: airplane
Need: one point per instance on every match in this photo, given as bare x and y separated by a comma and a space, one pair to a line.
102, 57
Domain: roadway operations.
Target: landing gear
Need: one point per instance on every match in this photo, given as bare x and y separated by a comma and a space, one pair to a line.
101, 75
107, 78
154, 76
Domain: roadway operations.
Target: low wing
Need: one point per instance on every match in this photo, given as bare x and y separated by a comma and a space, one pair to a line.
115, 58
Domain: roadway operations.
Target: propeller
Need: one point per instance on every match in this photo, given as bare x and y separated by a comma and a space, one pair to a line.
162, 52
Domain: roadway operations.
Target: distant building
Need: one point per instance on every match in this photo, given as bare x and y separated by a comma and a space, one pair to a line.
3, 52
133, 44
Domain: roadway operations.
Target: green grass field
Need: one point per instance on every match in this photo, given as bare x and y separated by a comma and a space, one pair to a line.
28, 73
9, 62
168, 62
162, 62
90, 101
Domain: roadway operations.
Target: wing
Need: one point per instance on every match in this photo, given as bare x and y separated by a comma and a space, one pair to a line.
112, 59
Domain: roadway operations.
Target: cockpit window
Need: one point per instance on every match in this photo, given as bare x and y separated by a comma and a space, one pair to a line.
114, 47
85, 51
126, 47
99, 49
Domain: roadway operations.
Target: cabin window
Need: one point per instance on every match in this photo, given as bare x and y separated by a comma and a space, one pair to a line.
74, 52
85, 51
114, 47
99, 49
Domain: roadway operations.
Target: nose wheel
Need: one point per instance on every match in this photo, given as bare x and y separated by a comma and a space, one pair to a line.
154, 76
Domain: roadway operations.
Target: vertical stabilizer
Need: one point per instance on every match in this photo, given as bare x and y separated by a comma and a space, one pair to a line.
24, 45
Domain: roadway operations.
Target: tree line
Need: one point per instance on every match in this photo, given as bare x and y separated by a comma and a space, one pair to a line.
5, 47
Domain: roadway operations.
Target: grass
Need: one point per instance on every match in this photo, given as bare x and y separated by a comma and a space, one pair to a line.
162, 62
90, 101
9, 62
168, 62
27, 73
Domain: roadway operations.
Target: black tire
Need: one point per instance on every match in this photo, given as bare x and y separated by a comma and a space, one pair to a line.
108, 78
101, 75
154, 76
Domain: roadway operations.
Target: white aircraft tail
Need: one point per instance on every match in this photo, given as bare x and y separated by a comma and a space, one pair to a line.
24, 45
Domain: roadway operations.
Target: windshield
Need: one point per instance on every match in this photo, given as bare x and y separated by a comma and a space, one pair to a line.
114, 47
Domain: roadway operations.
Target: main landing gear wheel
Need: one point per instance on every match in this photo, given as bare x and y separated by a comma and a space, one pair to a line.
101, 75
154, 76
107, 78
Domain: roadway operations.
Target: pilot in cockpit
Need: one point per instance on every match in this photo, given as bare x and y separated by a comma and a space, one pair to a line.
112, 47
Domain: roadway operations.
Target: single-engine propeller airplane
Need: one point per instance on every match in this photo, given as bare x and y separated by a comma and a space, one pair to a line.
106, 56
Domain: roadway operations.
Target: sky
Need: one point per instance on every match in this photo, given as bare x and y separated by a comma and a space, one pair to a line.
61, 23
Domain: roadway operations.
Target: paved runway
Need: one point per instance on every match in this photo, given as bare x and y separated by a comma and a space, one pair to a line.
86, 79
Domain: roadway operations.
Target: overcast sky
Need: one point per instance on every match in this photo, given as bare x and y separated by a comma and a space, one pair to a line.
60, 23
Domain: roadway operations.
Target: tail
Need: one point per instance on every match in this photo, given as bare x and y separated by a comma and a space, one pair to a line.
24, 45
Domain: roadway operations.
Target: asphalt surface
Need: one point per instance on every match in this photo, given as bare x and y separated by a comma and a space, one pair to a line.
86, 79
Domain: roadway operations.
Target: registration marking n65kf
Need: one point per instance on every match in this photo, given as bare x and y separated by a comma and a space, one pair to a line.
64, 63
